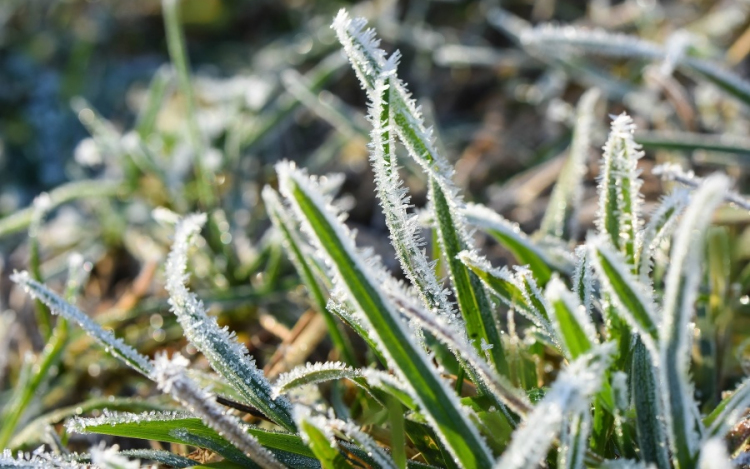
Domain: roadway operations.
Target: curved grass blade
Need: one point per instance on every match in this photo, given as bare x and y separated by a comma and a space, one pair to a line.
574, 328
682, 282
362, 284
21, 219
560, 217
320, 439
294, 247
673, 172
659, 227
649, 412
367, 378
518, 290
574, 441
569, 395
629, 298
225, 355
394, 199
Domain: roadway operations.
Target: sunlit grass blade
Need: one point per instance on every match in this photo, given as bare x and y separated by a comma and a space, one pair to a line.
301, 261
560, 217
362, 283
691, 141
574, 328
319, 438
369, 62
619, 189
57, 305
682, 282
226, 356
630, 299
512, 238
394, 198
569, 395
660, 227
367, 378
171, 378
673, 172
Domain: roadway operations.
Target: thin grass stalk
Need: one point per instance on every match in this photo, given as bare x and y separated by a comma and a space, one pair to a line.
178, 55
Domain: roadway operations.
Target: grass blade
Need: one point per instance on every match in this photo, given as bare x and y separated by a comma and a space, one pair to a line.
359, 281
619, 189
510, 236
660, 226
628, 296
57, 305
226, 356
560, 217
682, 281
574, 328
649, 412
729, 411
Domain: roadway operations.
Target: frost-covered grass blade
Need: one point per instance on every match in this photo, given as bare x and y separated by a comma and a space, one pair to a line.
224, 353
682, 282
360, 282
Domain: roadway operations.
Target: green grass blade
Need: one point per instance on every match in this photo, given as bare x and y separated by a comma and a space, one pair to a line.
649, 413
321, 442
510, 236
619, 189
301, 261
225, 355
470, 295
574, 441
729, 411
574, 328
630, 299
682, 282
560, 217
659, 227
359, 282
160, 456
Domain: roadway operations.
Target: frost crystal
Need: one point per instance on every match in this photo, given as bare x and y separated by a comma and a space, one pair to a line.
110, 458
171, 378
